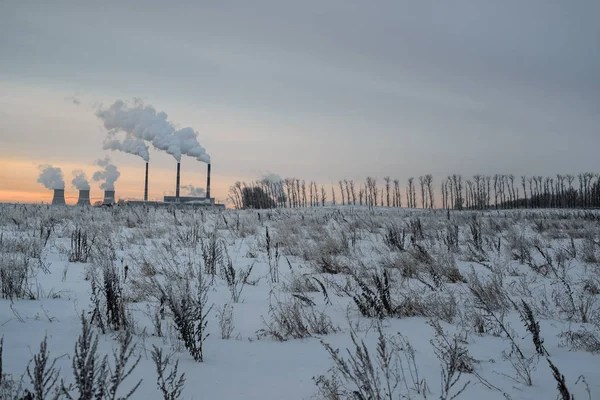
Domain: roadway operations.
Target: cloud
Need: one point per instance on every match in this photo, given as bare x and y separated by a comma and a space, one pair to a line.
73, 100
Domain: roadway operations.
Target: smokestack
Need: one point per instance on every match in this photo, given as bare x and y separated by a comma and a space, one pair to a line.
59, 197
208, 182
177, 187
84, 198
109, 197
146, 185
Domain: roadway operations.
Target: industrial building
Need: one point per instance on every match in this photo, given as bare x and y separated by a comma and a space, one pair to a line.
84, 198
178, 200
59, 197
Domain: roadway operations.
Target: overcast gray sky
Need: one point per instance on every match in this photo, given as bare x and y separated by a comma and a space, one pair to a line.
319, 89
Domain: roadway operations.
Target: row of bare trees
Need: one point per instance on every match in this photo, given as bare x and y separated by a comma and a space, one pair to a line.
505, 191
480, 192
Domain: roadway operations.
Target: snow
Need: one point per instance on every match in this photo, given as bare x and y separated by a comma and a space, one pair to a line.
252, 366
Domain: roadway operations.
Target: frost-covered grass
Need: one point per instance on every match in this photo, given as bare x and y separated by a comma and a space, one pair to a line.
248, 304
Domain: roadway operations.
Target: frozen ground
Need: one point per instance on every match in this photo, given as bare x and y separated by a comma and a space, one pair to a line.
425, 291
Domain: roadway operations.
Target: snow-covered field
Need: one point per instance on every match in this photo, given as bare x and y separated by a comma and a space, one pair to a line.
445, 303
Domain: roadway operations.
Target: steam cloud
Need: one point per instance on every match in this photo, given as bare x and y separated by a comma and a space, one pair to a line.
51, 177
108, 175
271, 178
188, 143
80, 181
130, 144
143, 122
194, 191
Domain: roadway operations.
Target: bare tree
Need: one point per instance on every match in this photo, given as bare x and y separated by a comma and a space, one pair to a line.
371, 191
235, 195
397, 195
298, 193
571, 198
412, 198
524, 185
387, 180
469, 194
288, 188
511, 177
488, 180
333, 195
458, 188
444, 198
303, 193
423, 199
450, 189
429, 184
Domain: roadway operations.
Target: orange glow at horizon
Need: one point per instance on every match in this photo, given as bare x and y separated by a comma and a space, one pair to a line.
18, 183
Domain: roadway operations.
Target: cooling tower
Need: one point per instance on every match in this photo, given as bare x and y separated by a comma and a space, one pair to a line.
146, 185
109, 197
208, 182
84, 198
177, 185
59, 197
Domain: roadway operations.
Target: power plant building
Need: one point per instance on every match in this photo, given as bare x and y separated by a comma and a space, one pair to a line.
177, 199
84, 198
59, 197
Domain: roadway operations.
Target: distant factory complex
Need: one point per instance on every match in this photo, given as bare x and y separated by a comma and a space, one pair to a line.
142, 125
176, 200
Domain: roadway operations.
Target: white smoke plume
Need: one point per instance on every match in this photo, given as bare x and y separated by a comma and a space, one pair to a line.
51, 177
145, 123
80, 181
108, 175
130, 145
188, 143
271, 178
194, 191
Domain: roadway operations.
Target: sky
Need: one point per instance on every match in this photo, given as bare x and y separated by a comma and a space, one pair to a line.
321, 90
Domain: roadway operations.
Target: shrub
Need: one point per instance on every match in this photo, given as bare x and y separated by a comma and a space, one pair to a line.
15, 270
236, 280
362, 375
582, 339
395, 238
107, 298
296, 319
94, 378
171, 385
80, 247
190, 310
225, 317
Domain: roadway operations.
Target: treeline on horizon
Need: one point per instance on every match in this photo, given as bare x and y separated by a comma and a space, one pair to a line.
482, 192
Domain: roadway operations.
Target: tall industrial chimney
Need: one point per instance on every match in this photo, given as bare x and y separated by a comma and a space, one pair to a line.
208, 182
84, 198
109, 197
146, 185
59, 197
177, 187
